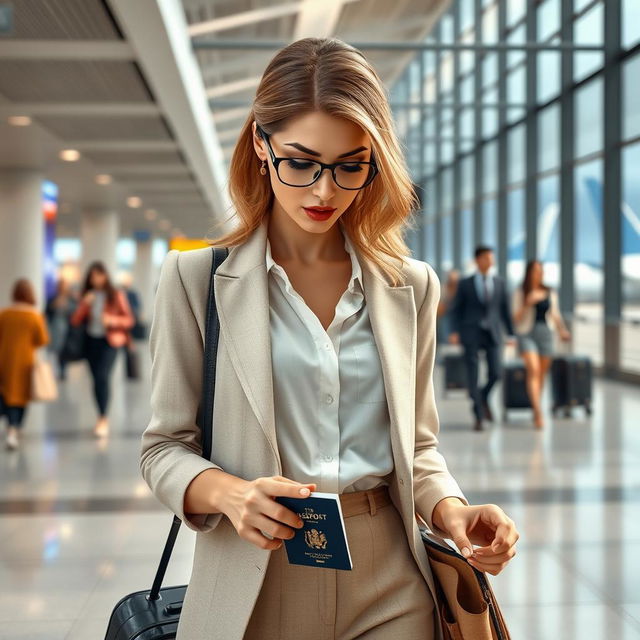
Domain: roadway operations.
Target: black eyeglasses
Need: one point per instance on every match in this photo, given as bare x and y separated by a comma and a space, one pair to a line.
302, 172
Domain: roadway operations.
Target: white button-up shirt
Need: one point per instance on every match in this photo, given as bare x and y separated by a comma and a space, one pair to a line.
332, 419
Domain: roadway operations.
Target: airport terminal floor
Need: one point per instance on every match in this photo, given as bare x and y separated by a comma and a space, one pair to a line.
80, 529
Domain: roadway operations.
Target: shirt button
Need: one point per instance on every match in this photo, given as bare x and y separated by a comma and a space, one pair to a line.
328, 458
327, 345
328, 399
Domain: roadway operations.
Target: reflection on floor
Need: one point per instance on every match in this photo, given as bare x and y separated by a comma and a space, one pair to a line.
79, 528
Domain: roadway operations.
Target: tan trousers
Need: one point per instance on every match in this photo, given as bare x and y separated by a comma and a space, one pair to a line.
384, 596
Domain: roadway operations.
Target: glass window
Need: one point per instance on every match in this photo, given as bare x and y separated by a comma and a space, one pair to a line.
630, 259
549, 138
466, 239
517, 36
467, 126
631, 98
466, 89
548, 79
466, 179
490, 168
430, 242
516, 10
446, 242
516, 88
489, 69
588, 29
548, 19
588, 266
446, 182
630, 22
516, 149
490, 24
446, 28
490, 123
516, 244
466, 14
588, 118
548, 228
490, 226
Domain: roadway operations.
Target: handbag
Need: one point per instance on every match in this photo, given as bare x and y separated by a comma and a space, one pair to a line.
43, 381
466, 604
73, 348
154, 614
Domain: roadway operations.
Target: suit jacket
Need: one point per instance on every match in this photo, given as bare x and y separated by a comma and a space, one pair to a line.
468, 309
228, 571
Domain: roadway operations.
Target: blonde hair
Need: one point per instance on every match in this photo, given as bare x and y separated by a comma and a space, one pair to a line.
328, 75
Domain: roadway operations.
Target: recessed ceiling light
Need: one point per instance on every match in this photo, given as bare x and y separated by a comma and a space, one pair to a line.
104, 178
134, 202
150, 214
19, 121
69, 155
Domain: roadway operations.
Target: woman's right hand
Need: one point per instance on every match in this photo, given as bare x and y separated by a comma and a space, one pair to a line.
533, 297
251, 508
88, 297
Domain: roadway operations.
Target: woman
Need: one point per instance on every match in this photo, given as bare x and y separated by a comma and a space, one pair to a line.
324, 375
108, 318
448, 295
22, 331
59, 309
533, 302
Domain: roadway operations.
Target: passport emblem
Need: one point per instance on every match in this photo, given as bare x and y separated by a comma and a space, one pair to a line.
315, 539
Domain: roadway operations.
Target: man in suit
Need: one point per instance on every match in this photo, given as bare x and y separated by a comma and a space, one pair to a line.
480, 306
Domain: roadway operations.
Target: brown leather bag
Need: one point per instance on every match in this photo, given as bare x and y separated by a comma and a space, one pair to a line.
467, 606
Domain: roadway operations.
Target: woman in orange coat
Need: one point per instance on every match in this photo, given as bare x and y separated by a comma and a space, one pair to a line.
108, 318
22, 331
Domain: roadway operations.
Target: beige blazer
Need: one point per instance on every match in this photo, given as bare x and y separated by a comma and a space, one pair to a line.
228, 571
528, 317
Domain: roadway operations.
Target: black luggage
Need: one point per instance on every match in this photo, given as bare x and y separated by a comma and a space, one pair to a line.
571, 383
154, 614
455, 372
514, 387
133, 364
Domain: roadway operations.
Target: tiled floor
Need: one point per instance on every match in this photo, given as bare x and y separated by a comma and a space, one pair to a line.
79, 528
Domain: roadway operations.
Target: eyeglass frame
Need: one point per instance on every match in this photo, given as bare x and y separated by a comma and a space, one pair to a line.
276, 160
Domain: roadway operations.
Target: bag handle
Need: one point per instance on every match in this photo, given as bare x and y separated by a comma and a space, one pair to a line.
205, 411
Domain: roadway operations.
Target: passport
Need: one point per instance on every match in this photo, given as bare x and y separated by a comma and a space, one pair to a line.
322, 540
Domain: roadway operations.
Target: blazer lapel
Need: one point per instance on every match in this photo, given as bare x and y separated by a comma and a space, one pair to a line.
392, 313
242, 297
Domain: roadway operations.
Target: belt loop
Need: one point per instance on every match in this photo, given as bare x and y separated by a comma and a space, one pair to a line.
372, 503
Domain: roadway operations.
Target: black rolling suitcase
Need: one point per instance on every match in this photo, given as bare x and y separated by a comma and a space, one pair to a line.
571, 378
154, 614
514, 387
455, 372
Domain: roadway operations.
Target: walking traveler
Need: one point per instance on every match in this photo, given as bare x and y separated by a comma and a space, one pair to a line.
479, 309
59, 309
22, 331
324, 375
533, 304
106, 314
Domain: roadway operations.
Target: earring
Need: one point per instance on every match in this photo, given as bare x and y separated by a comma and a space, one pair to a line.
263, 169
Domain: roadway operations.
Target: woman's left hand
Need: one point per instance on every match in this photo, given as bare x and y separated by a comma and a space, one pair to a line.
565, 336
486, 525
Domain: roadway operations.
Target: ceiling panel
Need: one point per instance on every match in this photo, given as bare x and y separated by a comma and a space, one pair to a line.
72, 81
63, 19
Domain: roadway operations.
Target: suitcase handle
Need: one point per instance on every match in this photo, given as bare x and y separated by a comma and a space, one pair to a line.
173, 608
205, 411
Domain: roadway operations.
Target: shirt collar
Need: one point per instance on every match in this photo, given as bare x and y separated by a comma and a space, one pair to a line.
355, 282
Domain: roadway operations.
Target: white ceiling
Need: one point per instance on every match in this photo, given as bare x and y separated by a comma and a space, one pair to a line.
89, 74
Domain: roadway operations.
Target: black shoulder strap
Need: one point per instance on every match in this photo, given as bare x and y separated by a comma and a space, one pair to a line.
205, 411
